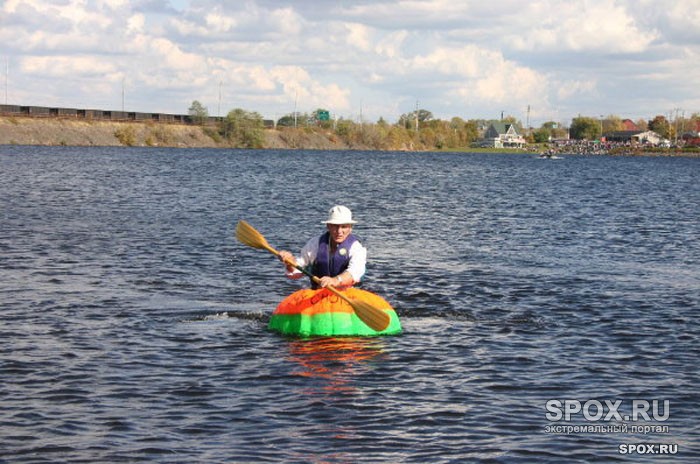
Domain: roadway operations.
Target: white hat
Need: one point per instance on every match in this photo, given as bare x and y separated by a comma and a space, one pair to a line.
339, 215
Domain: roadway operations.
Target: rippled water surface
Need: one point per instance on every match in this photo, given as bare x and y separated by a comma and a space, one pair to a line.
133, 324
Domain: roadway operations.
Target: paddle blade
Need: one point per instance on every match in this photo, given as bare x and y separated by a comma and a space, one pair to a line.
247, 235
375, 318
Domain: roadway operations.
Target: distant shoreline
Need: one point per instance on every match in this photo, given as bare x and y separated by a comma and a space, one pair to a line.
75, 132
72, 132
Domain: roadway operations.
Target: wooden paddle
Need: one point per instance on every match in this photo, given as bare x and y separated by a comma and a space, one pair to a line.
375, 318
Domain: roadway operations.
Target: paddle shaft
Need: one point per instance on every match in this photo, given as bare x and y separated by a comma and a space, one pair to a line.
308, 274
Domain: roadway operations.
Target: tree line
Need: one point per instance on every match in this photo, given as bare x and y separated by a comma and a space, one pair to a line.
418, 130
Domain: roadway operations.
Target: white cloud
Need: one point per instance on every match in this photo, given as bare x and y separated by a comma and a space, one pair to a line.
75, 12
567, 90
218, 23
11, 6
135, 24
299, 86
466, 58
390, 46
185, 27
165, 54
464, 62
65, 67
675, 22
286, 22
581, 25
358, 36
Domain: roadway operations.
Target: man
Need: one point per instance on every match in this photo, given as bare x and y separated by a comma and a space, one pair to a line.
337, 257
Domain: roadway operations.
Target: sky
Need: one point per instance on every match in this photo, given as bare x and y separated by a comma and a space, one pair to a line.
538, 61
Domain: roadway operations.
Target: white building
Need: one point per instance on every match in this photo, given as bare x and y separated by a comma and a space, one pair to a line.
636, 137
502, 135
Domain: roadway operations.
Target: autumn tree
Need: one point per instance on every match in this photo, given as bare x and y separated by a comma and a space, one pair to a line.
198, 113
612, 123
408, 120
296, 119
515, 122
661, 126
585, 128
541, 135
243, 128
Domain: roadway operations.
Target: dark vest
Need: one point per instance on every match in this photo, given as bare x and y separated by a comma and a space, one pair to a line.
328, 264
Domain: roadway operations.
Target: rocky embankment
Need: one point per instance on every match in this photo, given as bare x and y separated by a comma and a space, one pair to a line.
71, 132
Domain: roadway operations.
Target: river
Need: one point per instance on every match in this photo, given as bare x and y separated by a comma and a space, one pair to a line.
549, 308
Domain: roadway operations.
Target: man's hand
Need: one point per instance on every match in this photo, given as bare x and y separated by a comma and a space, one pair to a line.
328, 281
287, 258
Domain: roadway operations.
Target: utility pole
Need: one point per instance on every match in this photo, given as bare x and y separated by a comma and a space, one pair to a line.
675, 123
528, 117
295, 109
218, 112
416, 115
7, 73
682, 123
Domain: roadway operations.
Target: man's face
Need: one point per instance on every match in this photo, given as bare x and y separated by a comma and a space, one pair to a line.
339, 232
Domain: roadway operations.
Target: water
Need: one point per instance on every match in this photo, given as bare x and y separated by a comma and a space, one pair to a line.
134, 324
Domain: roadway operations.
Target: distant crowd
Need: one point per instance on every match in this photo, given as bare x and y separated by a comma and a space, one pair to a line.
585, 147
579, 147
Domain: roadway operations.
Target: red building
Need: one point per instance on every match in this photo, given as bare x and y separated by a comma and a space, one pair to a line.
629, 125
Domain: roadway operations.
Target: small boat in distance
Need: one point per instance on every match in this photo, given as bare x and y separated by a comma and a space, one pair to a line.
549, 154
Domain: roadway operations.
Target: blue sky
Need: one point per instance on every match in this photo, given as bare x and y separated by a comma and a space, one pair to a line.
357, 58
